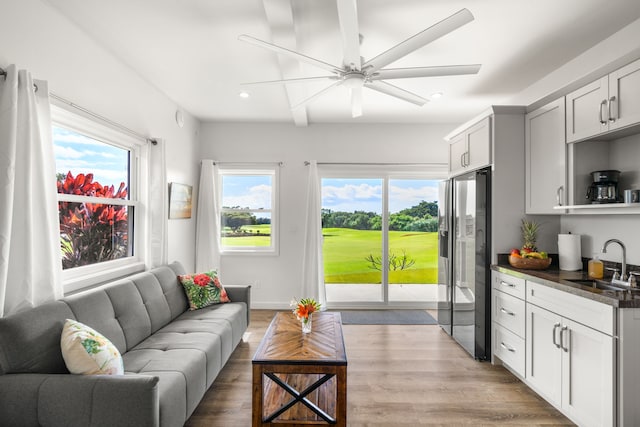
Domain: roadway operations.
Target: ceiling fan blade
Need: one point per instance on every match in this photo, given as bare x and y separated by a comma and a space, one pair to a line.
356, 102
395, 91
290, 53
348, 16
408, 73
417, 41
298, 80
316, 95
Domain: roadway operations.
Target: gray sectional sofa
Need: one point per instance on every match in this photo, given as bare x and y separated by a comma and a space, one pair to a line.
171, 355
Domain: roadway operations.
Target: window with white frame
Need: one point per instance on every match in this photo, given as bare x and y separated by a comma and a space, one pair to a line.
100, 190
248, 214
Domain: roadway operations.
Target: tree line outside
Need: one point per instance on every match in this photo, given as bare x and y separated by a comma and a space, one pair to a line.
422, 217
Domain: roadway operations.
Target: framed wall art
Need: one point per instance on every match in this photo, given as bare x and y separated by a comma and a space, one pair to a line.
179, 200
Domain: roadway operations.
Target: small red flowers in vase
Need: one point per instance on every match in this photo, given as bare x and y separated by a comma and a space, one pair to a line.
303, 310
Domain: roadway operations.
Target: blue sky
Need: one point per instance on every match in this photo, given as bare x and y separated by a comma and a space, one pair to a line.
254, 191
80, 154
247, 191
366, 194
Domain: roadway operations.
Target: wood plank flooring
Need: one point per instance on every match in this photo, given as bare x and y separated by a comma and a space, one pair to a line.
398, 375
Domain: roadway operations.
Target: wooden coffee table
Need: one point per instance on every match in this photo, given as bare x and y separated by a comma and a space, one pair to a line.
300, 379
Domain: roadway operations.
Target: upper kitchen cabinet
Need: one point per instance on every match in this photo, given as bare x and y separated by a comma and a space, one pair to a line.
471, 149
545, 159
608, 104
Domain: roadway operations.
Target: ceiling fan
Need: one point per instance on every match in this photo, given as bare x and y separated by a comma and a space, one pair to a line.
355, 73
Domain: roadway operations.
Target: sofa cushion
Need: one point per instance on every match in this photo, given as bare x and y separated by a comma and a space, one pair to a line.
173, 292
30, 340
228, 321
209, 344
95, 310
184, 369
87, 352
203, 289
153, 298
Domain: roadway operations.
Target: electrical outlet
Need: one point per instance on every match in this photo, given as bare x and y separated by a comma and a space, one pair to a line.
256, 284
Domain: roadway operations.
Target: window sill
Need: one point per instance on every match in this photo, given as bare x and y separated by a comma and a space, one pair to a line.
79, 283
250, 252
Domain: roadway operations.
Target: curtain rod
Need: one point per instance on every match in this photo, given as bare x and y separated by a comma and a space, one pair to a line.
102, 118
281, 164
307, 163
3, 73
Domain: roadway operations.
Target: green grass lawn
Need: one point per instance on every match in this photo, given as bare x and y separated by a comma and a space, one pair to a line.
250, 239
345, 250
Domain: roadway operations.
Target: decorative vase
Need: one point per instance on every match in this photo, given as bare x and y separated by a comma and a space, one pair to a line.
306, 324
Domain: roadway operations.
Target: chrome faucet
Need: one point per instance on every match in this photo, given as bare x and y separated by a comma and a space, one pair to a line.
623, 273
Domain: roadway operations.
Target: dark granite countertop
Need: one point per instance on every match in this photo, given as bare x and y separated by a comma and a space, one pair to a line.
559, 279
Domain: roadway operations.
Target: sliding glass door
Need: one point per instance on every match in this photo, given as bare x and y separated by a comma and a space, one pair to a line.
379, 239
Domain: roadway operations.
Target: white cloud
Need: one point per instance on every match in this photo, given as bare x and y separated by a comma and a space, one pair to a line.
351, 192
258, 196
66, 153
402, 198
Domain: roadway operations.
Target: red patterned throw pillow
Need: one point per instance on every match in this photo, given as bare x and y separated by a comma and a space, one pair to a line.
203, 289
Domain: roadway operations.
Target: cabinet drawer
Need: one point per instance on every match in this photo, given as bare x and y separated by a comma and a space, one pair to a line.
510, 348
509, 284
591, 313
509, 312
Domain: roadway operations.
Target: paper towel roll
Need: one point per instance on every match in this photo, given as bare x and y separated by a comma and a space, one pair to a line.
569, 252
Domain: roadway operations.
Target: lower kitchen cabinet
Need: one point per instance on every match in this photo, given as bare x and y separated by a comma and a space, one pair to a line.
571, 365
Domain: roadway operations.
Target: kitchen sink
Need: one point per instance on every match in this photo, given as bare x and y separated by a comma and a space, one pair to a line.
602, 285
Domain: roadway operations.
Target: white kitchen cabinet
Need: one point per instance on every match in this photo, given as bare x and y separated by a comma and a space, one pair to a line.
624, 96
586, 110
570, 364
544, 362
545, 159
508, 321
471, 149
608, 104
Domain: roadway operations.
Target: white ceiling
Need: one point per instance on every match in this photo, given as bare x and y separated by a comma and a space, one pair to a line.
189, 49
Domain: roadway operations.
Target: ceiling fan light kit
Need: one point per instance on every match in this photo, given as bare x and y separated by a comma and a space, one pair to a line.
355, 73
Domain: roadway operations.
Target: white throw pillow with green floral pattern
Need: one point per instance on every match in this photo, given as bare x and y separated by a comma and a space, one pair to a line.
88, 352
203, 289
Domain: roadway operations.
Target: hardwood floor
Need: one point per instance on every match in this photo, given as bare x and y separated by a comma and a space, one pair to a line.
398, 375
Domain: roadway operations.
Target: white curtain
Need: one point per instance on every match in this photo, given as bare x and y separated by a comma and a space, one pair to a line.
30, 266
158, 204
312, 266
208, 220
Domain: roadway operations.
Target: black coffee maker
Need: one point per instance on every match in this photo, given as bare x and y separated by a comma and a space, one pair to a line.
604, 188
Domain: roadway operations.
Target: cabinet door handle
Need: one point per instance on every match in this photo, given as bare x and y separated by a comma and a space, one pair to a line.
506, 347
555, 327
510, 285
462, 159
611, 101
558, 194
562, 345
602, 121
505, 311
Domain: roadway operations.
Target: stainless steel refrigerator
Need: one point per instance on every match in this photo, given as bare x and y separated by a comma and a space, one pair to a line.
464, 276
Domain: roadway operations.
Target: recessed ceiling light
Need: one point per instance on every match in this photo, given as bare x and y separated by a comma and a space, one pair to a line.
436, 95
244, 94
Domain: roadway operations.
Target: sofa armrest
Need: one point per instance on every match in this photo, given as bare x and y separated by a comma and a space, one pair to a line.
240, 293
78, 400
